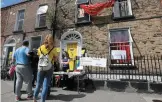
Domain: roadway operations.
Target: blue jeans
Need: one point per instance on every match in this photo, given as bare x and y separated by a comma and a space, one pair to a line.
43, 77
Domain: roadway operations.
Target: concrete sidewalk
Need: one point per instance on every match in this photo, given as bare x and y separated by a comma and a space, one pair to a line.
59, 95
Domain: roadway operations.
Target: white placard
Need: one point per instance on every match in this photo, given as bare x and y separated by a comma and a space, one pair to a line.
85, 61
99, 62
91, 61
118, 54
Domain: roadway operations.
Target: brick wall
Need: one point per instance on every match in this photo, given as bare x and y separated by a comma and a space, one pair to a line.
4, 18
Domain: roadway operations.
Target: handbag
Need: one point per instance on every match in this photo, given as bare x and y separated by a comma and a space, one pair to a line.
12, 70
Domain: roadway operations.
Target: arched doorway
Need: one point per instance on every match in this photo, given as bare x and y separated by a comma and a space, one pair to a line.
8, 50
71, 42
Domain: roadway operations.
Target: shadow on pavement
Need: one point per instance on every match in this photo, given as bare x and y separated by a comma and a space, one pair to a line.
157, 100
65, 97
53, 90
89, 90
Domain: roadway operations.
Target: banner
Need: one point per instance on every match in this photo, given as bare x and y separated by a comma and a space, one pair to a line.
94, 9
91, 61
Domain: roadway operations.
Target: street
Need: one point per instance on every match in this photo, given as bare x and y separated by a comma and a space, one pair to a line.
59, 95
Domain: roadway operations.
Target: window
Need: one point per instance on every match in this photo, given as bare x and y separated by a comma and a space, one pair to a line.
35, 42
20, 20
122, 9
41, 16
121, 46
80, 15
82, 1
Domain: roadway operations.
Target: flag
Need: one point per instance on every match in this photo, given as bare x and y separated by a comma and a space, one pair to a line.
94, 9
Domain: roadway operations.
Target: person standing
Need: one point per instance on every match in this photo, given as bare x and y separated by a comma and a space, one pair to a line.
23, 70
34, 64
46, 52
65, 67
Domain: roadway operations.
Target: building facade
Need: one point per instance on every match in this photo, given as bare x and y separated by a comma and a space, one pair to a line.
129, 28
23, 21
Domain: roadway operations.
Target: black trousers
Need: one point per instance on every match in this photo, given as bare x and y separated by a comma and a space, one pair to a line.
34, 77
65, 77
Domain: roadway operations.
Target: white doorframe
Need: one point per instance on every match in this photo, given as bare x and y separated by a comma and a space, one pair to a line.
71, 37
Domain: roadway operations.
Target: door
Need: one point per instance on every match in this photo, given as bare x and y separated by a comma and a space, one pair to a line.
72, 51
9, 55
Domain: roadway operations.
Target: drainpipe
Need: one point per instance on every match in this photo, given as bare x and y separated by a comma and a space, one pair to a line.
54, 23
24, 35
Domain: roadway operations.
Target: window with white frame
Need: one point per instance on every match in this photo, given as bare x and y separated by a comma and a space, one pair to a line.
35, 42
121, 46
122, 8
41, 16
20, 20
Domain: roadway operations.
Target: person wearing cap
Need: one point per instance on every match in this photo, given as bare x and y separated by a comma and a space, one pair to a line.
23, 70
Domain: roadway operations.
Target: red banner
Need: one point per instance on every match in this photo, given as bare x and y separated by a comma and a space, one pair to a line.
94, 9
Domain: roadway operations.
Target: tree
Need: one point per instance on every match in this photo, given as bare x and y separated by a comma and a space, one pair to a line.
57, 13
51, 16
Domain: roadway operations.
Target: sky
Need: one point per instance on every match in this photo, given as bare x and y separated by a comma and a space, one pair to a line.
5, 3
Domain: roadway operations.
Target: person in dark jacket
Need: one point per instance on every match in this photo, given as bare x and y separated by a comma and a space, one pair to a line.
34, 64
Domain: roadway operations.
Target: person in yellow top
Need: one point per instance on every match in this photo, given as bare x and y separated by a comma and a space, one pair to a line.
52, 54
44, 77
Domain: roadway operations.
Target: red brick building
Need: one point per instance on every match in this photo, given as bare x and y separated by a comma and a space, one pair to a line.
25, 20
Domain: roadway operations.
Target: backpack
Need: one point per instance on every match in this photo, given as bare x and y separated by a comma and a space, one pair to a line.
44, 63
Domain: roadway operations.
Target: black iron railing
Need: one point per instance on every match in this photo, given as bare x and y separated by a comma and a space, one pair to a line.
141, 68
